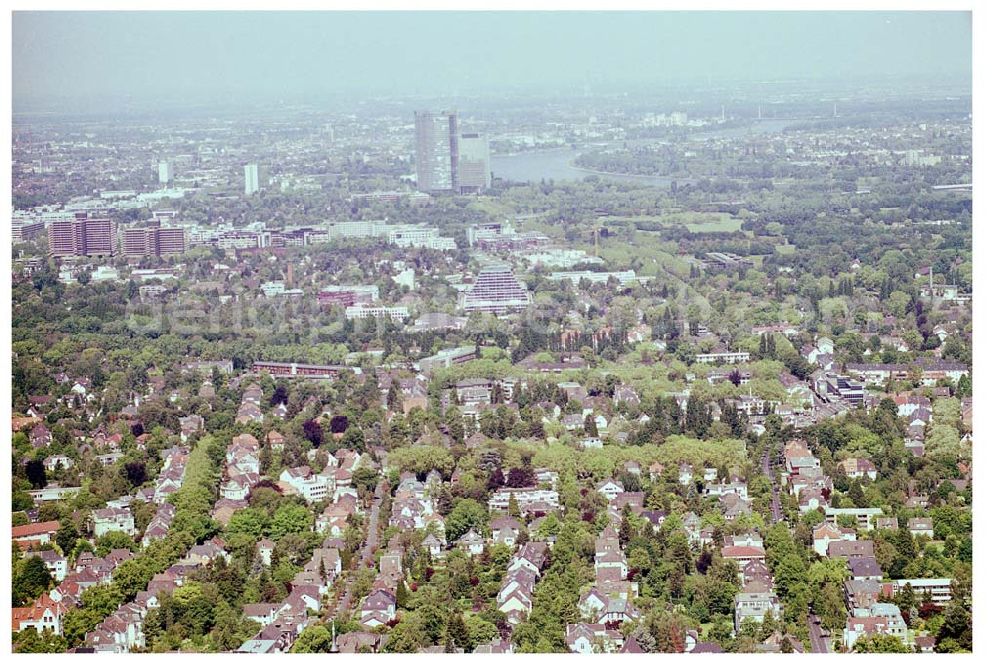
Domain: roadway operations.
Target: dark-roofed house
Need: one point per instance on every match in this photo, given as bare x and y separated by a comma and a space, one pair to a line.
848, 549
864, 568
921, 527
707, 647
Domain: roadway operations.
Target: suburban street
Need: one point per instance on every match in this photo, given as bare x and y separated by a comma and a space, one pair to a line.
819, 643
775, 490
371, 544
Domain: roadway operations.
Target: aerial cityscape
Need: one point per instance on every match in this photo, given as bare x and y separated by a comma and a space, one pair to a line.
655, 350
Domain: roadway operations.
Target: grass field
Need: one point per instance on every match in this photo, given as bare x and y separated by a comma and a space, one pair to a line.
695, 222
491, 207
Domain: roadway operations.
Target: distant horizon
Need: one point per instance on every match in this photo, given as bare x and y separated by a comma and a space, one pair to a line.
88, 59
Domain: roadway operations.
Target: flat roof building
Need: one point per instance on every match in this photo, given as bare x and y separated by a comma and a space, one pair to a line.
153, 241
83, 237
251, 179
496, 290
25, 229
166, 172
437, 151
348, 295
364, 311
474, 173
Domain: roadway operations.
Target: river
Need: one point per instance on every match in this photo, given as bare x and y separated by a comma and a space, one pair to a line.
557, 164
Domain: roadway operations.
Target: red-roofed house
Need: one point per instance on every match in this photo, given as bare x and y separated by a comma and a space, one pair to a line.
38, 532
743, 554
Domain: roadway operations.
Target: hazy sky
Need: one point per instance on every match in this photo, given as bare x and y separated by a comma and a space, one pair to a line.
164, 55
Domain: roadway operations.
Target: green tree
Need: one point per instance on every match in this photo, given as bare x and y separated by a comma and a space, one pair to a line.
132, 576
290, 519
467, 514
250, 521
113, 540
481, 631
955, 634
880, 643
365, 479
406, 637
458, 633
354, 439
315, 639
30, 641
31, 579
943, 442
66, 537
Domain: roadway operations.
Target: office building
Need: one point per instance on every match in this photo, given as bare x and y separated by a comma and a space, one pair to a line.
82, 237
725, 357
135, 242
400, 235
168, 241
242, 239
496, 290
251, 179
831, 384
419, 235
24, 229
348, 295
144, 274
497, 236
447, 358
155, 241
486, 231
724, 261
938, 589
624, 277
365, 311
473, 163
437, 151
166, 170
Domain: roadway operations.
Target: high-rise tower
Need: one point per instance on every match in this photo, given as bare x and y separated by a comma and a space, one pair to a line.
437, 151
473, 162
251, 182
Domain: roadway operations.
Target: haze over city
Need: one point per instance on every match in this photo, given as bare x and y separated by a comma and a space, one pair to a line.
206, 57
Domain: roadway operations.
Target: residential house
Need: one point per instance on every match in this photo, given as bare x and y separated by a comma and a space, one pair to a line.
610, 489
378, 608
55, 563
824, 533
584, 638
864, 568
859, 468
434, 545
113, 520
43, 615
743, 554
35, 533
848, 548
753, 606
921, 527
859, 627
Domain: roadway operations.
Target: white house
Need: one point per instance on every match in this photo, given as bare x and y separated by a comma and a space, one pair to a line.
610, 489
113, 520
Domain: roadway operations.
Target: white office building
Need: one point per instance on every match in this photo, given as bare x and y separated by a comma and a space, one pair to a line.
251, 181
166, 170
